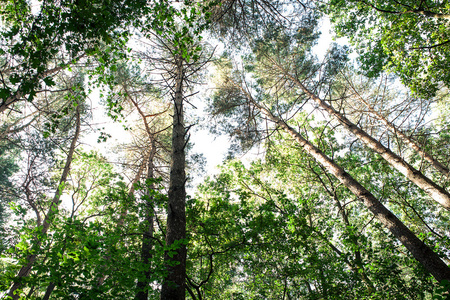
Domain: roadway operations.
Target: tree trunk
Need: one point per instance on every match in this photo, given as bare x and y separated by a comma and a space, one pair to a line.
421, 252
413, 144
357, 266
53, 210
147, 243
173, 287
432, 189
124, 212
49, 291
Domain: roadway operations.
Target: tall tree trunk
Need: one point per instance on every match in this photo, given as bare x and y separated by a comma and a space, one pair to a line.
408, 140
431, 188
147, 243
421, 252
173, 287
53, 210
49, 291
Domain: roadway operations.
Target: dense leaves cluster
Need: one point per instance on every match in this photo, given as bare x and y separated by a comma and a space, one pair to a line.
410, 38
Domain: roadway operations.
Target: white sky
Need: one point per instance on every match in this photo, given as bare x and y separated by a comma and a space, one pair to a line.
214, 148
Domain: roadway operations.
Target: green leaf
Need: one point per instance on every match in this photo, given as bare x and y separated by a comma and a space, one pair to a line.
49, 81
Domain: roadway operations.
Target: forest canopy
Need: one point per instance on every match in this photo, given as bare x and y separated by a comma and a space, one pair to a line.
336, 180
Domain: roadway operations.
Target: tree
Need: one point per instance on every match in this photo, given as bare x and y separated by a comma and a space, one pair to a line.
285, 68
378, 99
323, 214
180, 59
53, 208
409, 38
39, 44
175, 256
271, 230
236, 88
151, 142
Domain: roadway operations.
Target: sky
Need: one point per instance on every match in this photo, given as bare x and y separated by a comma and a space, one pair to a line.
214, 148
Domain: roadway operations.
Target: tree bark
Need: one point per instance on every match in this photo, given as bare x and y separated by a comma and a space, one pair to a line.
432, 189
173, 287
147, 243
49, 291
420, 251
425, 155
26, 269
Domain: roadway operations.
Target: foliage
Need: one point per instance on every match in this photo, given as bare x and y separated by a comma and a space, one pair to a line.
409, 38
277, 222
42, 38
8, 166
85, 240
278, 227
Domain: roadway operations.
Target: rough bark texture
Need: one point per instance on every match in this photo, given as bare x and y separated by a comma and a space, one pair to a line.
432, 189
147, 242
26, 269
173, 287
421, 252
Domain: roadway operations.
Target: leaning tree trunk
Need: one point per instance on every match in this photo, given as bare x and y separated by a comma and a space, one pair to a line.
431, 188
408, 140
421, 252
147, 243
51, 213
173, 287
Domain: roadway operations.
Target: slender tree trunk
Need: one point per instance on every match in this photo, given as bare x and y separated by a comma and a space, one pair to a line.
351, 265
49, 291
357, 267
432, 189
413, 144
53, 210
321, 275
173, 287
421, 252
147, 243
124, 213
